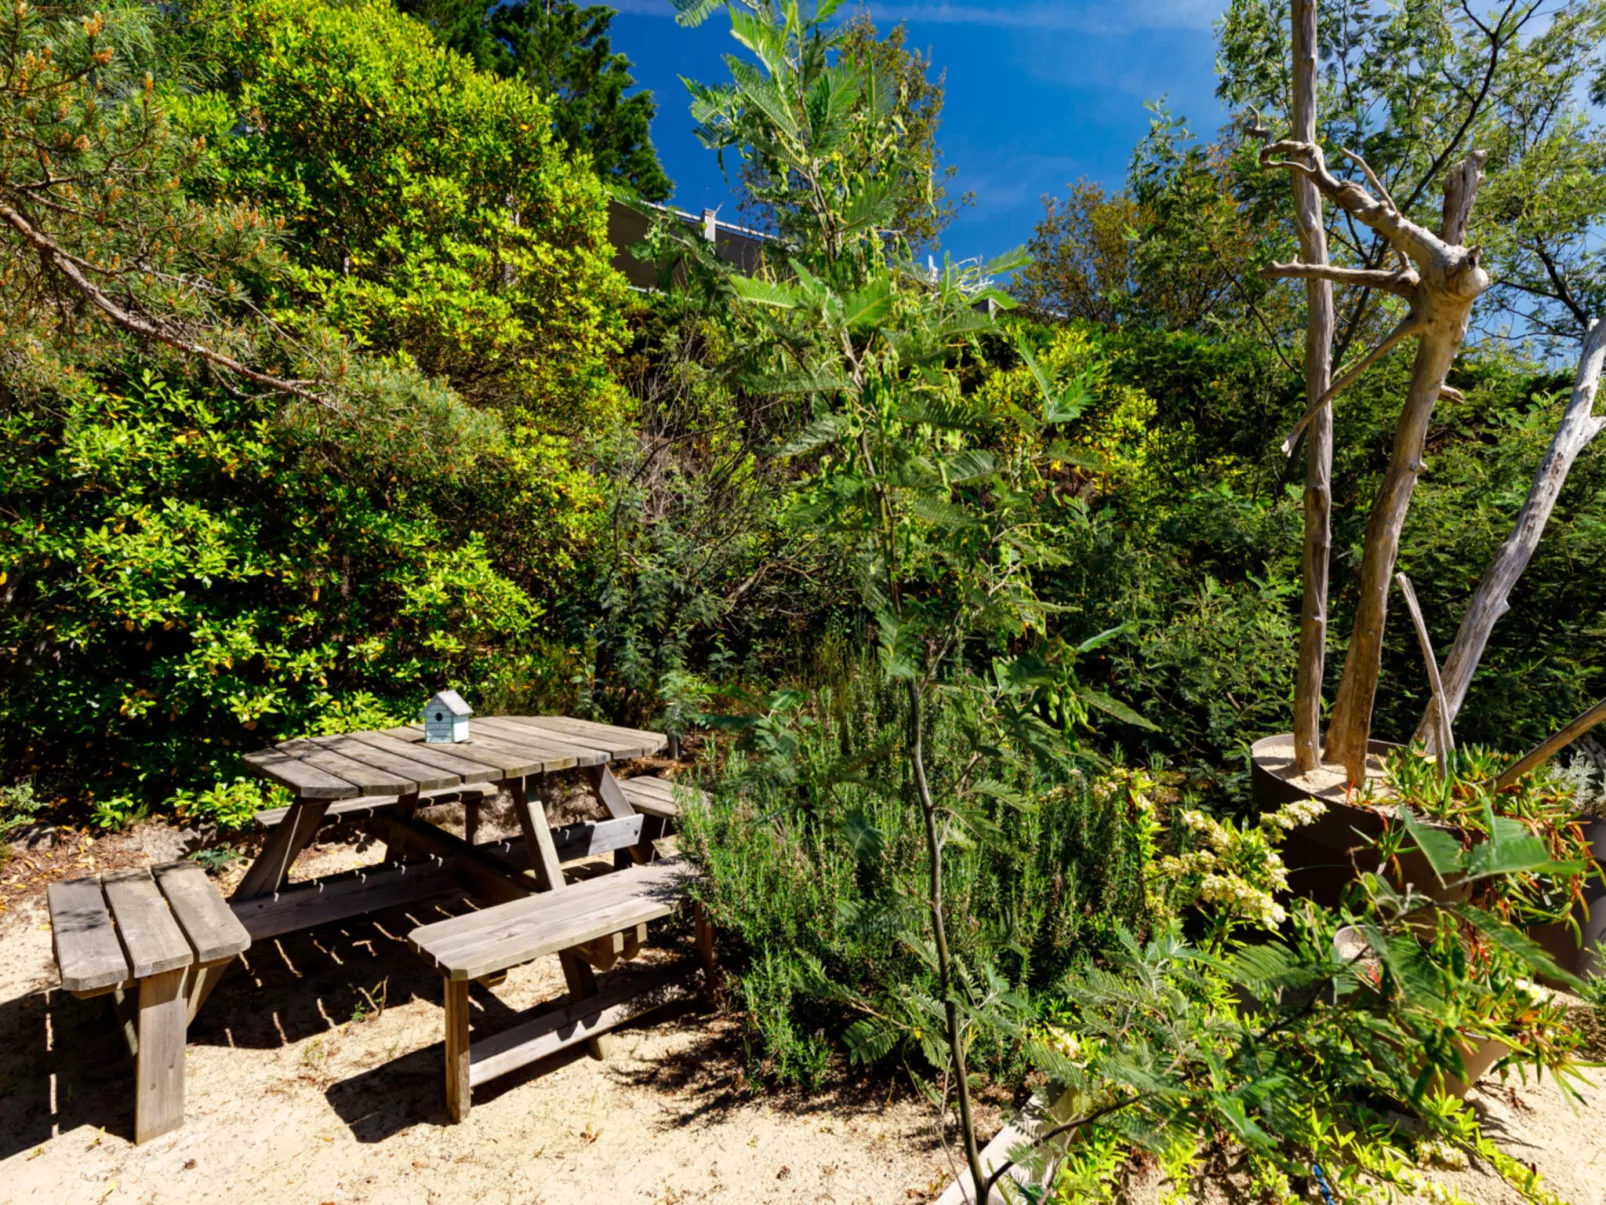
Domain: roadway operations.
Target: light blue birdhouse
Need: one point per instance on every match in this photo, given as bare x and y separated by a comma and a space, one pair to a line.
446, 719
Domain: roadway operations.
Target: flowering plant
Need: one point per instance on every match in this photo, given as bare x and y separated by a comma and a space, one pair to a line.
1237, 868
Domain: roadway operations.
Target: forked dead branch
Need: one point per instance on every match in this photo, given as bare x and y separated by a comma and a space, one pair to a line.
1440, 279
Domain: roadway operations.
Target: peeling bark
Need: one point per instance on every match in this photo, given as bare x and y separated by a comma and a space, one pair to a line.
1579, 425
1318, 374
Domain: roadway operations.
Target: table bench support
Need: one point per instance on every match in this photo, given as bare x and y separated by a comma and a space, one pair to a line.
458, 1092
269, 872
159, 1066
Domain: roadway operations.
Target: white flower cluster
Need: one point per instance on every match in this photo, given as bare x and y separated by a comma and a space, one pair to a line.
1240, 871
1292, 815
1243, 899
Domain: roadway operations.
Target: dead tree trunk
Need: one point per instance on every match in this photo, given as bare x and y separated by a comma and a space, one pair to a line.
1441, 282
1579, 425
1318, 375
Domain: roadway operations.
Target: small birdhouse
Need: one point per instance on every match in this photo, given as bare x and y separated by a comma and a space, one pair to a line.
446, 719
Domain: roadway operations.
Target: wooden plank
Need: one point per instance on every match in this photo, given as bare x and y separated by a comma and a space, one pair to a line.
272, 867
154, 942
576, 1021
88, 953
159, 1066
307, 781
523, 930
592, 837
211, 929
555, 755
555, 744
459, 1079
508, 765
617, 742
440, 757
516, 760
538, 839
648, 742
605, 952
340, 898
369, 780
368, 805
486, 876
428, 775
575, 899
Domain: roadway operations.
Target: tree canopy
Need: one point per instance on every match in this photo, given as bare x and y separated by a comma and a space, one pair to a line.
563, 51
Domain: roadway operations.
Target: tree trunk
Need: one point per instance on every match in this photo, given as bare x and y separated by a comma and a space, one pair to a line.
1490, 600
1352, 711
1318, 375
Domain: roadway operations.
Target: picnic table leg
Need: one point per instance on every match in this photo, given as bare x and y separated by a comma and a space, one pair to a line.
605, 787
471, 820
549, 877
159, 1066
458, 1092
582, 983
537, 835
272, 867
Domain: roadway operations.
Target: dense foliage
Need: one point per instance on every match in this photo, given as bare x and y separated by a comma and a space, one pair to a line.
318, 392
563, 51
193, 564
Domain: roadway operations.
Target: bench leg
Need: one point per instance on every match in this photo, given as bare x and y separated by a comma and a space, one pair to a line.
704, 935
458, 1092
159, 1066
582, 984
471, 820
202, 980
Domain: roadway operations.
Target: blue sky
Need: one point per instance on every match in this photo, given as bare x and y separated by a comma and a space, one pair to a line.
1039, 94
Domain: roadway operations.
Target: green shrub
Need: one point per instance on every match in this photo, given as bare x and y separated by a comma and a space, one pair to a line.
813, 857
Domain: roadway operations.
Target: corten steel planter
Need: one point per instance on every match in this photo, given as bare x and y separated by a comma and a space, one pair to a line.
1585, 958
1319, 855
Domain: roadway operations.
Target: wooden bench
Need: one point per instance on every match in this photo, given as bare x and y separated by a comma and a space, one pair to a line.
482, 945
157, 940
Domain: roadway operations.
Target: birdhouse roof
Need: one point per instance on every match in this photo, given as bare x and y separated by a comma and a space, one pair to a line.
452, 701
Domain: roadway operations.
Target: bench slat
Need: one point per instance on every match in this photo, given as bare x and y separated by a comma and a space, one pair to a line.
151, 936
307, 781
507, 935
87, 950
211, 927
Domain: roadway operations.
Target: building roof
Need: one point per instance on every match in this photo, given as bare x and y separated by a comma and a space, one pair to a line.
452, 701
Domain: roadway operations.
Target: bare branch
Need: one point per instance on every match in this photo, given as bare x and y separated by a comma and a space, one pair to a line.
1382, 190
63, 262
1402, 284
1444, 740
1423, 247
1409, 325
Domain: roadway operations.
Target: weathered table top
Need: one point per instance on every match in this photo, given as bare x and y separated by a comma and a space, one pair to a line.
396, 761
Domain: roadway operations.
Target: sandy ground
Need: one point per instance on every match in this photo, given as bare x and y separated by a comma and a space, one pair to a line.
314, 1074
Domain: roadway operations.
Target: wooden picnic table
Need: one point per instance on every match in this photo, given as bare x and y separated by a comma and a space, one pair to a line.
385, 776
